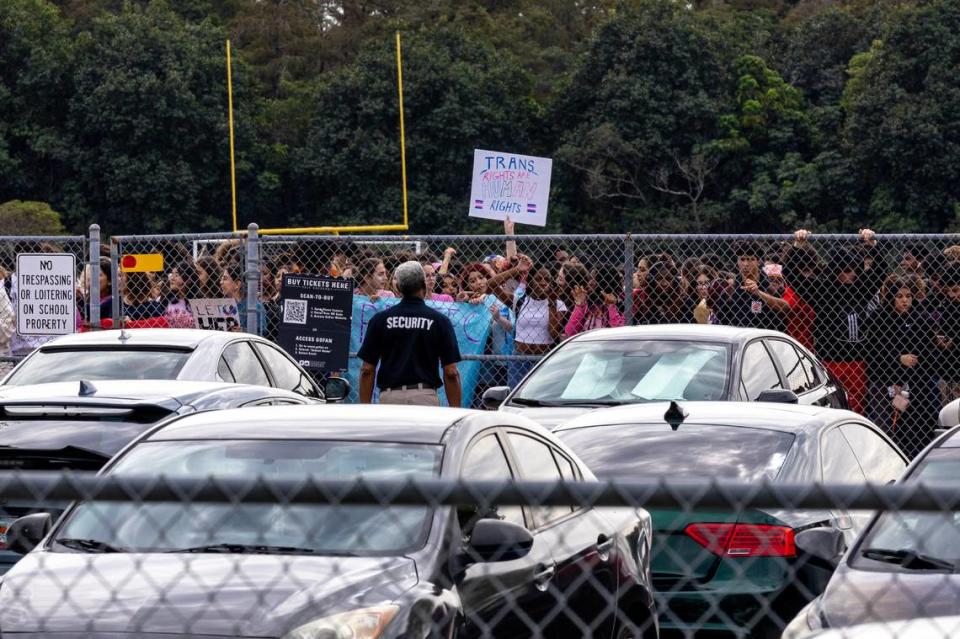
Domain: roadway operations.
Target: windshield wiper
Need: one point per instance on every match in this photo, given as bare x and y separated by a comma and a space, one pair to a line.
240, 549
908, 559
530, 402
89, 545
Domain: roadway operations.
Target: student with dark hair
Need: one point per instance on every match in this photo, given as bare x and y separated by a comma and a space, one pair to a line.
539, 313
839, 293
596, 304
209, 273
947, 335
747, 302
233, 286
182, 286
666, 302
901, 361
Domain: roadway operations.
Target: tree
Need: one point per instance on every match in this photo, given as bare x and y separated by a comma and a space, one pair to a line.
460, 95
901, 106
645, 94
29, 218
149, 124
34, 67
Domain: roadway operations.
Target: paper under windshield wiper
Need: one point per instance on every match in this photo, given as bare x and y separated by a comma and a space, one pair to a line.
908, 559
248, 549
89, 545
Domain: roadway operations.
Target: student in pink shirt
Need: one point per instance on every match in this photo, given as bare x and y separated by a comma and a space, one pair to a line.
595, 302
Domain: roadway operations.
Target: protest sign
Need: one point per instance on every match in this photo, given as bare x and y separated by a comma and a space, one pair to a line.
315, 322
509, 185
215, 314
46, 293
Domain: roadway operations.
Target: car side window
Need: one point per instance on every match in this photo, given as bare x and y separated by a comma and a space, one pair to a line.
485, 460
537, 463
792, 367
245, 365
285, 374
840, 465
223, 370
811, 369
758, 372
878, 459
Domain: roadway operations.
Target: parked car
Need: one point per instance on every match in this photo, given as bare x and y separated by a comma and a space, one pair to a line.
721, 569
80, 425
922, 628
690, 362
326, 570
905, 565
169, 353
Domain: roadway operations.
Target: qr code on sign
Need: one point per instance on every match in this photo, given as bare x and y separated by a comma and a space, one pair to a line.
294, 311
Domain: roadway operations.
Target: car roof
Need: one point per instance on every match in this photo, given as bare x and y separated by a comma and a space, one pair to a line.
411, 424
135, 389
704, 332
153, 337
950, 439
782, 417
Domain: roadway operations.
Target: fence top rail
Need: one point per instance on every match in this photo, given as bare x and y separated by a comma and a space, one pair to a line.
43, 238
953, 237
173, 237
939, 497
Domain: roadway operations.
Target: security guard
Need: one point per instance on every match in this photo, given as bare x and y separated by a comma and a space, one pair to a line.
411, 342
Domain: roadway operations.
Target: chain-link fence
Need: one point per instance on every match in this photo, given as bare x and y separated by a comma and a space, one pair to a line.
882, 313
14, 345
297, 556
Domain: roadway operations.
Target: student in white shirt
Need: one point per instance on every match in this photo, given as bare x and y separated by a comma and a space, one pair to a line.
539, 314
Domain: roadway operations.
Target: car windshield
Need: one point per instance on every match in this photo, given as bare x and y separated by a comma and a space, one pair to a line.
919, 540
626, 371
92, 364
693, 451
309, 528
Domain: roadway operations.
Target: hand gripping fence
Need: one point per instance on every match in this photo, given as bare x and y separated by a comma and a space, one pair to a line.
588, 588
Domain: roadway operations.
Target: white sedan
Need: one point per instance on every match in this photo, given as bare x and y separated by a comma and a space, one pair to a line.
165, 353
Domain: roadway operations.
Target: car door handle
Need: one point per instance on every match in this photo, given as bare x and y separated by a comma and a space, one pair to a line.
543, 575
604, 546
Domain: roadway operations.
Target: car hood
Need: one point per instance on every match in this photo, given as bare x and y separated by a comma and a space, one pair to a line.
860, 596
202, 594
549, 417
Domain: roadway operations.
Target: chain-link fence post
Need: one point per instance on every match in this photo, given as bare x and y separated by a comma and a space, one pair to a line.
115, 281
628, 262
253, 278
93, 264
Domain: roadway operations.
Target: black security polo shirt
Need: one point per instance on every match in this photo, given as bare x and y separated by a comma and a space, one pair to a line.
411, 341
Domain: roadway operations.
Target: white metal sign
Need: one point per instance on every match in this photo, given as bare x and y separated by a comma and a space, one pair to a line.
46, 293
510, 185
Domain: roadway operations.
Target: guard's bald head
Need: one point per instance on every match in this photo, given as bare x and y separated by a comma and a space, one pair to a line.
410, 279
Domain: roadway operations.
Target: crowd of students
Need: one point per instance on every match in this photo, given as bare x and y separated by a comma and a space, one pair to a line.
885, 320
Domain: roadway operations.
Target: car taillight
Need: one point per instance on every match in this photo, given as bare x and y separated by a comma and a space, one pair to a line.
744, 540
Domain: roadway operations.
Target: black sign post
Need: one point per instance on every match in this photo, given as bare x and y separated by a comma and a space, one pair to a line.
315, 317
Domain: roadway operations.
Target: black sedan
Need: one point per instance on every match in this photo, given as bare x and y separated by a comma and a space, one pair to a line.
81, 425
682, 362
905, 565
297, 572
727, 569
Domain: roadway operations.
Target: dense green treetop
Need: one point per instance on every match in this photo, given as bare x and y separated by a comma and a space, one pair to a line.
712, 115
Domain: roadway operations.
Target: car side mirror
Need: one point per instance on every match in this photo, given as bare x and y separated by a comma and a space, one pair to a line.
498, 540
26, 533
336, 389
494, 396
778, 396
823, 543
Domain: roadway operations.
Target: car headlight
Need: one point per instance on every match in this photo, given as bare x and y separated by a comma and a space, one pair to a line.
366, 623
